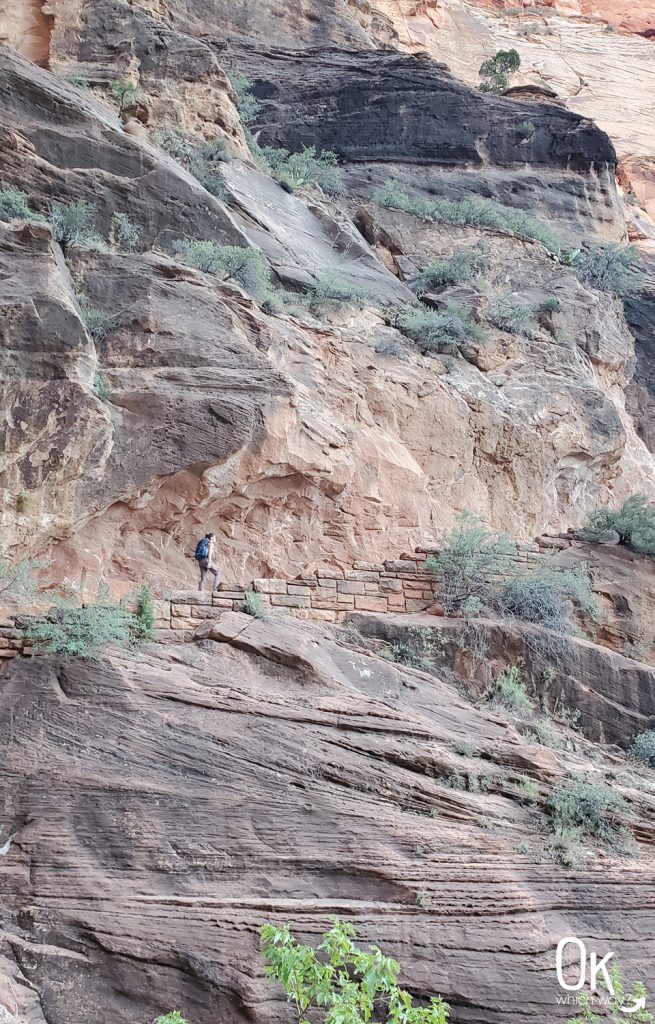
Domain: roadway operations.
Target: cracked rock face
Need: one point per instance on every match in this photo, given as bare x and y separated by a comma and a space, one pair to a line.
270, 774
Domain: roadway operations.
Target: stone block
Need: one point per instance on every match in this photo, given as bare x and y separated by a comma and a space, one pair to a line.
10, 633
371, 604
416, 605
298, 590
400, 565
203, 612
372, 588
390, 585
191, 597
411, 585
289, 601
162, 609
304, 581
369, 566
329, 574
224, 602
363, 577
350, 587
327, 584
180, 622
6, 652
270, 586
320, 604
229, 595
184, 610
163, 623
396, 602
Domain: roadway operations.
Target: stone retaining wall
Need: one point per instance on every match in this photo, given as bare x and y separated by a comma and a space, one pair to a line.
401, 585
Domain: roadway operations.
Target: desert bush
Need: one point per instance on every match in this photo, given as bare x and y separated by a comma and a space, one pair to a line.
123, 92
581, 808
297, 169
508, 313
100, 388
74, 224
84, 632
545, 734
508, 693
545, 596
96, 322
15, 205
472, 782
466, 749
526, 790
525, 129
253, 604
17, 581
471, 563
247, 104
494, 71
446, 330
145, 613
174, 1017
643, 748
611, 268
203, 159
126, 234
174, 144
244, 265
551, 305
455, 269
634, 522
638, 650
77, 79
474, 210
23, 502
339, 981
332, 292
418, 649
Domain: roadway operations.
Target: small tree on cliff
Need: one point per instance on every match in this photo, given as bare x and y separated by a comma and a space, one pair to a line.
344, 983
634, 523
472, 562
494, 71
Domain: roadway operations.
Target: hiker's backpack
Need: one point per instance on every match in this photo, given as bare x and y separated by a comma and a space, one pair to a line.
202, 549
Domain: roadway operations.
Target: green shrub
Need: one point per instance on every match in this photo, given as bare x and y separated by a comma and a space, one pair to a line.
474, 210
123, 92
643, 748
242, 264
23, 502
525, 129
581, 808
174, 1017
173, 144
508, 693
15, 205
622, 995
126, 234
419, 648
77, 79
253, 604
17, 581
338, 982
634, 522
456, 269
247, 104
466, 749
74, 224
494, 71
446, 330
611, 268
551, 305
204, 159
302, 168
545, 595
84, 632
96, 322
469, 781
527, 790
333, 292
471, 562
145, 613
545, 734
508, 313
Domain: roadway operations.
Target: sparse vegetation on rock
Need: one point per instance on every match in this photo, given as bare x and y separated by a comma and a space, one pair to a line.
86, 631
339, 981
633, 524
472, 562
125, 233
253, 604
581, 809
303, 168
73, 224
611, 268
508, 693
15, 205
17, 578
331, 292
123, 92
241, 264
452, 270
509, 313
643, 748
448, 330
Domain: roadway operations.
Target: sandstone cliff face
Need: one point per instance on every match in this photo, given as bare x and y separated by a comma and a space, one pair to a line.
179, 802
299, 441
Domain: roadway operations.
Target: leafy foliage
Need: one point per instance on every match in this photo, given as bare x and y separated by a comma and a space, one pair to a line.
525, 129
17, 578
634, 522
508, 693
544, 596
510, 314
145, 613
418, 648
332, 292
446, 330
471, 563
242, 264
100, 387
611, 268
96, 322
338, 982
253, 604
643, 748
174, 1017
85, 632
302, 168
126, 234
247, 104
474, 210
623, 995
550, 305
456, 269
494, 71
204, 160
15, 205
545, 734
74, 224
581, 808
123, 92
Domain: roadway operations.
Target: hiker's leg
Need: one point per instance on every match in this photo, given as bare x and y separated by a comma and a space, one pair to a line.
203, 573
217, 575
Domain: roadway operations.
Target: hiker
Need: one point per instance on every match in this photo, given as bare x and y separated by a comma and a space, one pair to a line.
205, 558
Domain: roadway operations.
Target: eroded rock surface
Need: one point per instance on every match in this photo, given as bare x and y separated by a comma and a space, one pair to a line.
179, 800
